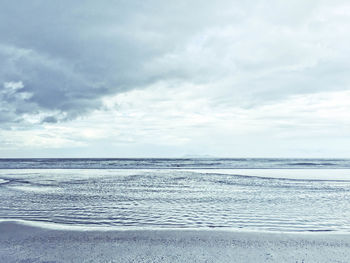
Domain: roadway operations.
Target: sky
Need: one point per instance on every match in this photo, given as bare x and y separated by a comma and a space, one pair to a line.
154, 78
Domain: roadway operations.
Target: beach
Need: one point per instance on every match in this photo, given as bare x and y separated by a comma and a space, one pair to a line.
25, 243
146, 213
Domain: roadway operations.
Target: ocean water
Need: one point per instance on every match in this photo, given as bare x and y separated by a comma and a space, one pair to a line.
245, 194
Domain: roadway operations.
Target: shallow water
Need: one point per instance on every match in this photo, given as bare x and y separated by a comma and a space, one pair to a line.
249, 199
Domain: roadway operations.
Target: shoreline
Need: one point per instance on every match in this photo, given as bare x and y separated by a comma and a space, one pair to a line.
110, 228
27, 243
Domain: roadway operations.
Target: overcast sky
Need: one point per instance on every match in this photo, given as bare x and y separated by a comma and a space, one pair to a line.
155, 78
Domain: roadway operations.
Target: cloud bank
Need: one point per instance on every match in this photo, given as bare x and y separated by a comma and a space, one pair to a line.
62, 61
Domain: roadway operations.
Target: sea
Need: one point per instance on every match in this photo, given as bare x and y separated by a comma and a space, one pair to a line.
253, 194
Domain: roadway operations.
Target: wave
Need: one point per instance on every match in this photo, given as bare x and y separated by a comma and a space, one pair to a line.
3, 181
312, 164
174, 163
12, 223
28, 225
282, 174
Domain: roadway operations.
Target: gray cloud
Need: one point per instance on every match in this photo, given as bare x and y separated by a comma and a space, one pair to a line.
69, 55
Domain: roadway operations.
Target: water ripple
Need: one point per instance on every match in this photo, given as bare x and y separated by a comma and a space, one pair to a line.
175, 198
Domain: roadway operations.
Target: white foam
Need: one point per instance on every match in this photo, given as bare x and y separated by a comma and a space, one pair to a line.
38, 189
55, 226
3, 181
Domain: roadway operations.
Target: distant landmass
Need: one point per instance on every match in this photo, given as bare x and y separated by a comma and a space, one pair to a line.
198, 156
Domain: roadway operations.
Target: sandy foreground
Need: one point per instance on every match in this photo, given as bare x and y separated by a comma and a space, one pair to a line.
23, 243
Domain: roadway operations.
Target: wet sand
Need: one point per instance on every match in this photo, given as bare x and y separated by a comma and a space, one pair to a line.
24, 243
